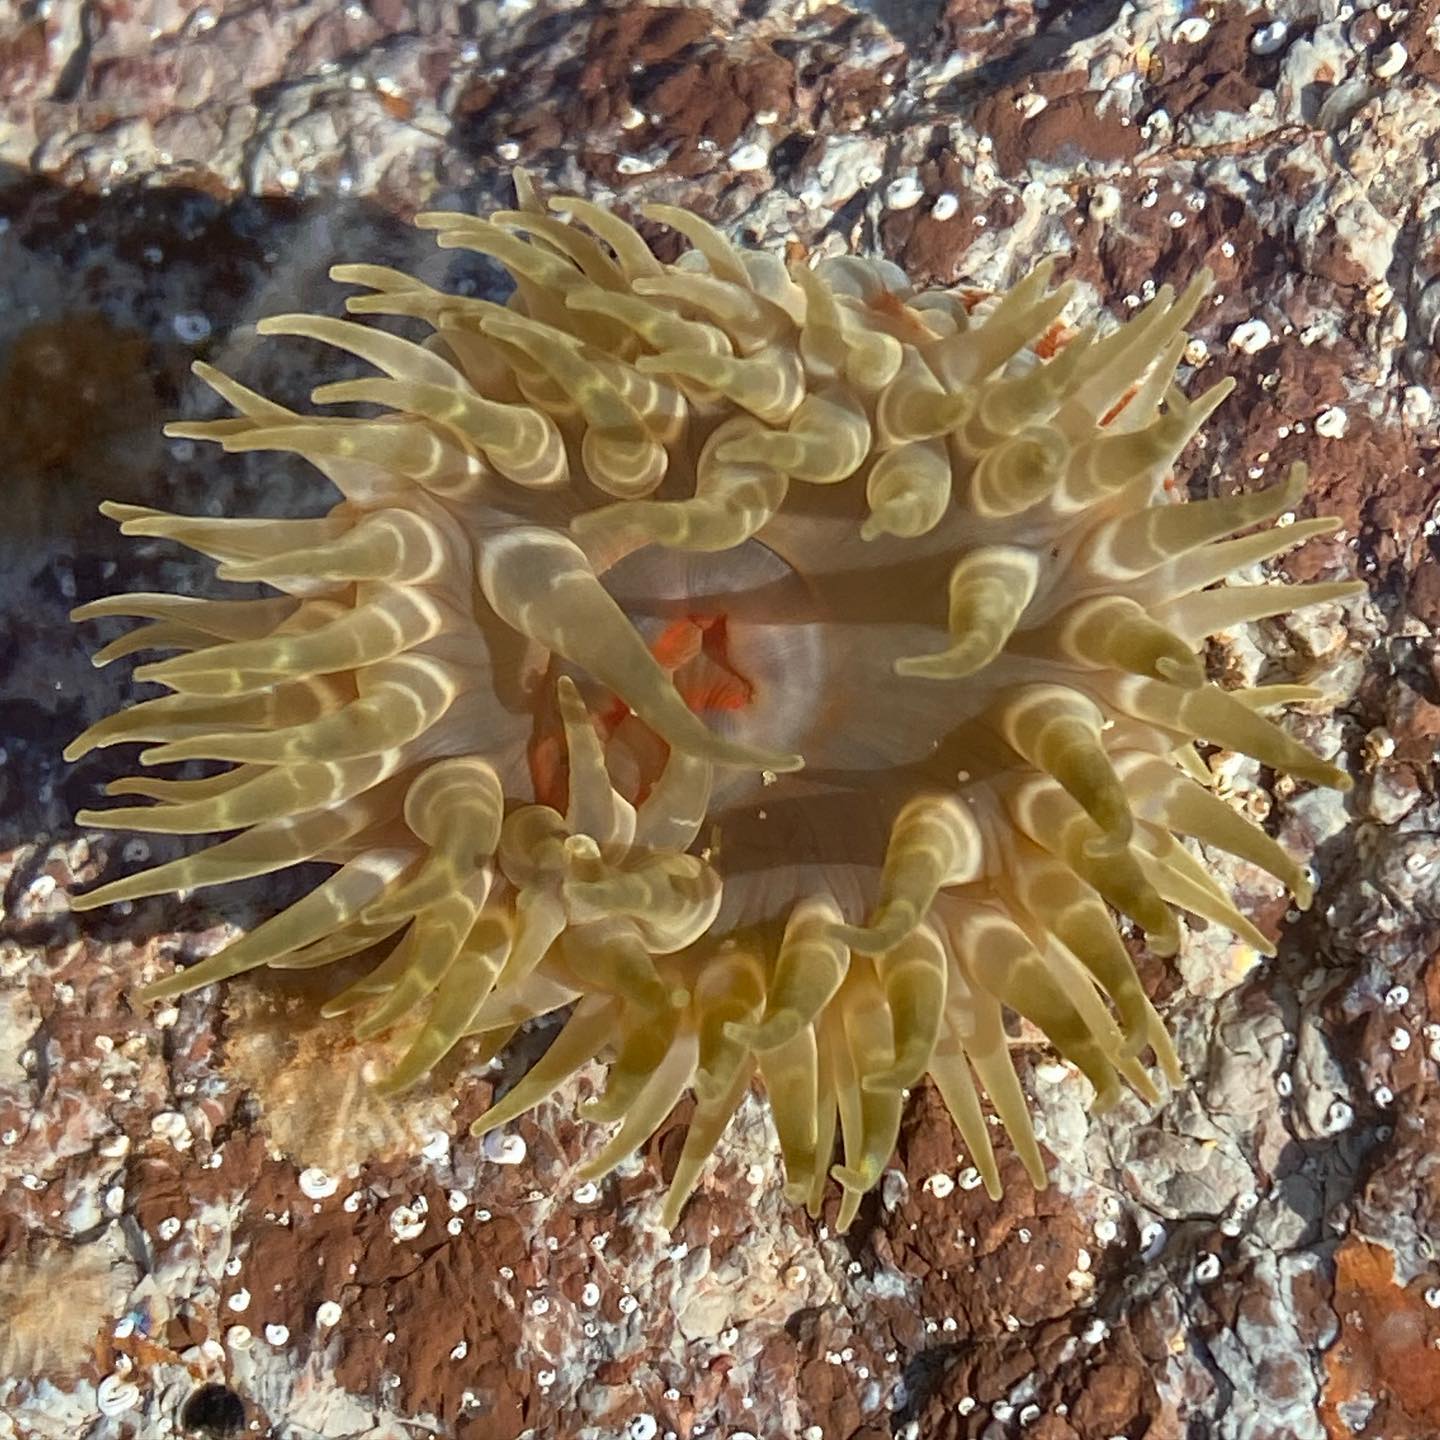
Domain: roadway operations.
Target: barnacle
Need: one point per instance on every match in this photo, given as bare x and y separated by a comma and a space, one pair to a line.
788, 672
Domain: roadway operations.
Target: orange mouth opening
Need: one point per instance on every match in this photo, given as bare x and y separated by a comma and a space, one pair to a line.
695, 651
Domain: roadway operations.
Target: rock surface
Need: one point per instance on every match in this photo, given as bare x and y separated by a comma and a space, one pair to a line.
208, 1226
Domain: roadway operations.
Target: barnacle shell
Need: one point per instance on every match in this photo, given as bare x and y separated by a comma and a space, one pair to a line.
787, 671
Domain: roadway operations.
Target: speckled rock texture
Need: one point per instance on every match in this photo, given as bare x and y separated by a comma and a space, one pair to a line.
209, 1227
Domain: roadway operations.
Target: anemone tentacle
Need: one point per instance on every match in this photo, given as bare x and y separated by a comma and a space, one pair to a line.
792, 672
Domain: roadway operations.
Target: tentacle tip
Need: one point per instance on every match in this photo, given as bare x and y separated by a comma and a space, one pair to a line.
893, 1081
886, 930
767, 1035
952, 664
1188, 674
1164, 943
591, 521
95, 900
288, 324
797, 1192
855, 1181
395, 1083
166, 989
1037, 1174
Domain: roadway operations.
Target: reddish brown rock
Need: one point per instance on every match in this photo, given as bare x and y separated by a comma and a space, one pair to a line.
1381, 1368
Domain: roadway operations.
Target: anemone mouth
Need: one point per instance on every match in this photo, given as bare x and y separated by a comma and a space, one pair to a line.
788, 673
742, 635
771, 656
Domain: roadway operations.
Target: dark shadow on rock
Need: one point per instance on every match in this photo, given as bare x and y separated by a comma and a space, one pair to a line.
1042, 51
105, 301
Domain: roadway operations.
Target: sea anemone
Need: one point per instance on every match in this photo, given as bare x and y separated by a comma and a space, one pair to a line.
788, 672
